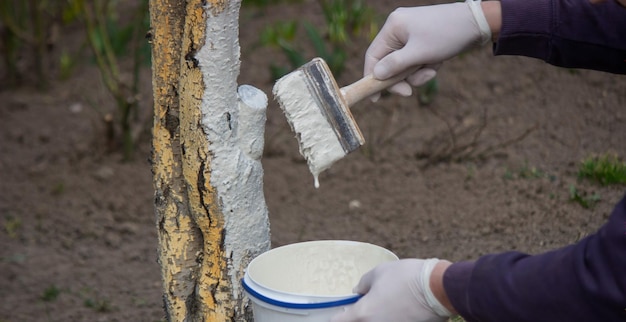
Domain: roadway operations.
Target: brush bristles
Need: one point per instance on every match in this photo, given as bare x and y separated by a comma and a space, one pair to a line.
317, 140
316, 112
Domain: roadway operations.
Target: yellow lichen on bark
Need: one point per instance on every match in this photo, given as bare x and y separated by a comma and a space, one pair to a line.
189, 217
179, 237
213, 291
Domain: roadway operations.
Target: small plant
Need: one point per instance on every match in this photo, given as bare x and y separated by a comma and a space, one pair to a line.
528, 172
282, 35
471, 171
66, 65
606, 169
99, 305
139, 302
344, 19
58, 189
508, 175
426, 93
27, 27
583, 198
93, 300
347, 18
50, 293
12, 225
525, 172
109, 41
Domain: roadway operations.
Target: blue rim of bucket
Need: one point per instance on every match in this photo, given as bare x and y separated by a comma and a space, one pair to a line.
321, 305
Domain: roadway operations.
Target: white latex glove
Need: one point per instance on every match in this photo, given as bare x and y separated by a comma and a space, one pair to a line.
397, 291
424, 37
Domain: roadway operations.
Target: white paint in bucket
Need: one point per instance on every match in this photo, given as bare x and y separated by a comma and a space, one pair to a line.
309, 281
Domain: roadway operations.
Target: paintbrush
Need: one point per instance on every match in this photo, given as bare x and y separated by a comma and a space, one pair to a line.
318, 112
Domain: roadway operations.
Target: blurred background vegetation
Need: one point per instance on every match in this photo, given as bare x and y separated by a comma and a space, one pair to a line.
35, 52
344, 22
112, 36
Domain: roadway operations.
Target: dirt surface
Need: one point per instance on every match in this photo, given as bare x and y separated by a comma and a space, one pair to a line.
78, 234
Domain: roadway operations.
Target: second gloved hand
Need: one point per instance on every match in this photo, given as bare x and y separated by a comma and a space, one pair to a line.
424, 36
396, 291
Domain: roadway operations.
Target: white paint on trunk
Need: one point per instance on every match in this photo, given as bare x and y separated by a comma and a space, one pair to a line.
235, 129
317, 140
252, 108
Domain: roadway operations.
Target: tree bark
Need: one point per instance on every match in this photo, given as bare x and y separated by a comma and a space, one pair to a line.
211, 214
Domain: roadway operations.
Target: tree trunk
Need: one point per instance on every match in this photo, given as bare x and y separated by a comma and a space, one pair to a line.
207, 144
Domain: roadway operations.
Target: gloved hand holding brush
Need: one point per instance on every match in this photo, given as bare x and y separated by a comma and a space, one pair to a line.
425, 36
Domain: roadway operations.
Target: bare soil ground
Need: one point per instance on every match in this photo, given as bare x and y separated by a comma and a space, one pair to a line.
78, 234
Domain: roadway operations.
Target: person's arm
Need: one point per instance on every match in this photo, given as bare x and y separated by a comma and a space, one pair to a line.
566, 33
581, 282
493, 14
436, 286
573, 34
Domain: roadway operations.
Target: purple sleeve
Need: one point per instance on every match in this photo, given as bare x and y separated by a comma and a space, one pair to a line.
566, 33
585, 281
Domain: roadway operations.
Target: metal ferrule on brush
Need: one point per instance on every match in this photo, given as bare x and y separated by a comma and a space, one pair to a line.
332, 105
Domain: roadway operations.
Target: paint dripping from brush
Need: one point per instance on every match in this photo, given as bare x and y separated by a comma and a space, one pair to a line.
317, 140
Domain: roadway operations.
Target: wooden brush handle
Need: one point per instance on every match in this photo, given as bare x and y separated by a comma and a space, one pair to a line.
368, 85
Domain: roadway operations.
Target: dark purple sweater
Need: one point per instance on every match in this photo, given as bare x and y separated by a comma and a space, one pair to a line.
566, 33
582, 282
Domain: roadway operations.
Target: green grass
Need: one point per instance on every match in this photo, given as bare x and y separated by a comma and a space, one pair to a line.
586, 200
606, 169
93, 300
345, 20
427, 92
525, 172
98, 305
50, 293
12, 225
58, 189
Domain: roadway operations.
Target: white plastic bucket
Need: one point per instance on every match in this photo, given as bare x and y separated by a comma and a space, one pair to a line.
309, 281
